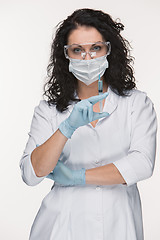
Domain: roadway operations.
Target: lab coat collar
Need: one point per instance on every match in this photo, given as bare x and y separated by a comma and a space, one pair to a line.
111, 101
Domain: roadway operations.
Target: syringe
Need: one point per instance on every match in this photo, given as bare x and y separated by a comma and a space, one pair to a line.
100, 91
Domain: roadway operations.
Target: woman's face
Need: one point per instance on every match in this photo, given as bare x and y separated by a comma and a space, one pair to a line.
85, 34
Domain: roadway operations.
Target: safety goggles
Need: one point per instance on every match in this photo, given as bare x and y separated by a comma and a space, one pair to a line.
78, 51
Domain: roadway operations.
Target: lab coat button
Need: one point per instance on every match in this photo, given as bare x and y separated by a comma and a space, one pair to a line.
97, 188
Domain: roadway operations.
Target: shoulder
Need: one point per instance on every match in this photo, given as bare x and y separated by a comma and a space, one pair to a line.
130, 96
135, 93
140, 97
43, 108
136, 96
140, 102
135, 100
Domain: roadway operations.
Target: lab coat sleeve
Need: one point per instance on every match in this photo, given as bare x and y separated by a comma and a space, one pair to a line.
40, 131
139, 163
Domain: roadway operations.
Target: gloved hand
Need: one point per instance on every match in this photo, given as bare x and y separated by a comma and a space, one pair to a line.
66, 176
82, 114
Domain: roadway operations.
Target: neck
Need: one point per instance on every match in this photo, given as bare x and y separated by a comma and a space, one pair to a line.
85, 91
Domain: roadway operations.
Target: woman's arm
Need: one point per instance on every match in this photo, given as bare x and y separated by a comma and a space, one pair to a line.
44, 158
138, 164
104, 175
37, 162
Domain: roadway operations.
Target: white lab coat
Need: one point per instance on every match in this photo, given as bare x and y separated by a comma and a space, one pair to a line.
127, 138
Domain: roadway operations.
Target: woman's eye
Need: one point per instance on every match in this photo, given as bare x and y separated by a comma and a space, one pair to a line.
96, 48
77, 50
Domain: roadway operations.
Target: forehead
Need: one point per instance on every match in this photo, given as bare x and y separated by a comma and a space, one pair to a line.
84, 34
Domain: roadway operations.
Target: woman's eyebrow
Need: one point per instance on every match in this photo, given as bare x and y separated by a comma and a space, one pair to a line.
75, 44
80, 45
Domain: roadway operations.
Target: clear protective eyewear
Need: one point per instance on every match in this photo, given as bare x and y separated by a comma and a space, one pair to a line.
97, 49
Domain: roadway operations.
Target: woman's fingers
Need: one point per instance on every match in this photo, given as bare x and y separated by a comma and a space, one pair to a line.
97, 98
97, 116
90, 113
85, 113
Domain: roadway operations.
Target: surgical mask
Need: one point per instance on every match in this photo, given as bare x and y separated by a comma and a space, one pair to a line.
88, 71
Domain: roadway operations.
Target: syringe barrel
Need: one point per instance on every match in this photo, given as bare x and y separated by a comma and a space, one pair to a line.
100, 86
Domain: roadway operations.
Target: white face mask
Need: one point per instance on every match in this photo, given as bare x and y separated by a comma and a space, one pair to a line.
88, 71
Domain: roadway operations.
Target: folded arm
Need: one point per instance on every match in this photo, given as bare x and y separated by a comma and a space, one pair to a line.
138, 164
104, 175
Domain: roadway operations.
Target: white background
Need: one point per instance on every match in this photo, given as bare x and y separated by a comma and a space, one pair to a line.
26, 29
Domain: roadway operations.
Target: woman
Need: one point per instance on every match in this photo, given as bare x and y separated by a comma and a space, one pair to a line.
95, 136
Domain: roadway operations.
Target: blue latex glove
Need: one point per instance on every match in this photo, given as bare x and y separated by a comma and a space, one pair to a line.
66, 176
82, 114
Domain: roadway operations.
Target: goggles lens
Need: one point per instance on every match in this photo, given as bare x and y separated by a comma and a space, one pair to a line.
77, 51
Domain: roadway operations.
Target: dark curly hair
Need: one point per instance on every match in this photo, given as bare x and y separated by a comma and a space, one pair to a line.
61, 84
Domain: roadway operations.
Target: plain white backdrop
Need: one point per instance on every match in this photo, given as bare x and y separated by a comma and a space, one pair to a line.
26, 30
